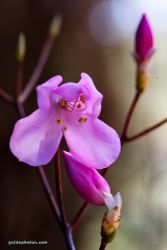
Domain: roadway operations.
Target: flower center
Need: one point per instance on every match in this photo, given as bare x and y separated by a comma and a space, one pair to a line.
78, 105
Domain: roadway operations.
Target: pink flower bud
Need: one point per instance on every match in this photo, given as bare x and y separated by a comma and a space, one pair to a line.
144, 40
86, 180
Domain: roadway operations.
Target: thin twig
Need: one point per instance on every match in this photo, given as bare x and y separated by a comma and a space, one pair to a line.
69, 238
38, 69
146, 131
49, 194
5, 96
129, 116
59, 188
103, 244
19, 78
79, 215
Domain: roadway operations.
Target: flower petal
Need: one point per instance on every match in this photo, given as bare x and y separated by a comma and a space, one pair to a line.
36, 138
87, 181
93, 142
44, 91
93, 96
69, 91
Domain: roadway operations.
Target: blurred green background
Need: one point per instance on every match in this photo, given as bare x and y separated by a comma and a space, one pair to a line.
97, 38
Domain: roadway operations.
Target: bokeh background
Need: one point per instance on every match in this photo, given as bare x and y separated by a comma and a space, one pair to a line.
96, 37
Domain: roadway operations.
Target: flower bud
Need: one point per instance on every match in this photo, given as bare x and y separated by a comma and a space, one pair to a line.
21, 47
55, 26
111, 219
86, 180
144, 49
144, 44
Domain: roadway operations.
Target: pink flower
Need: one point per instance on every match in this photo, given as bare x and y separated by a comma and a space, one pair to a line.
86, 180
144, 40
71, 110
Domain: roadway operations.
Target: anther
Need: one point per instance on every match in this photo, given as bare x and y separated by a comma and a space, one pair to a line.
78, 106
63, 103
82, 98
83, 119
59, 120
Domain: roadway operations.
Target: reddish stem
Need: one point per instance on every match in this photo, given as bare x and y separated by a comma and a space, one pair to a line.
19, 77
59, 187
129, 116
79, 215
6, 97
146, 131
49, 194
38, 69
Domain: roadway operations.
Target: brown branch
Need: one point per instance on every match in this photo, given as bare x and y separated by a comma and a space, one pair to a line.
54, 31
38, 69
146, 131
129, 116
79, 215
59, 188
49, 194
103, 244
19, 78
5, 96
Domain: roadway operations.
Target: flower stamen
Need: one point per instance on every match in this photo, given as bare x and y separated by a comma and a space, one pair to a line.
63, 103
59, 120
82, 99
83, 119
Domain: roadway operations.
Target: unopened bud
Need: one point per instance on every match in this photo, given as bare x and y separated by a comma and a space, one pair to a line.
55, 26
144, 42
21, 47
86, 180
111, 219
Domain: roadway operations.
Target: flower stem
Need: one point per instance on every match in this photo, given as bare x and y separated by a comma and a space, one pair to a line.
65, 227
49, 194
59, 187
69, 238
103, 244
6, 97
129, 116
146, 131
19, 78
45, 52
79, 215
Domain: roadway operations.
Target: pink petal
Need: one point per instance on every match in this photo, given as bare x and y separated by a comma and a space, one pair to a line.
87, 181
93, 96
44, 91
69, 91
144, 40
93, 142
35, 139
